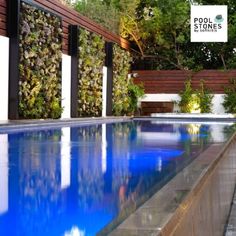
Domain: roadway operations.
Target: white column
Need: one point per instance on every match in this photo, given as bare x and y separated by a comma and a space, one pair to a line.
104, 149
3, 173
4, 77
65, 158
104, 91
66, 86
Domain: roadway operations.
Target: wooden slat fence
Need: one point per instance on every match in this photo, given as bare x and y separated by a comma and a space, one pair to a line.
69, 16
3, 13
172, 81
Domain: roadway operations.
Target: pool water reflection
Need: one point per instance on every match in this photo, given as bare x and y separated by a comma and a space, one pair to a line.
78, 180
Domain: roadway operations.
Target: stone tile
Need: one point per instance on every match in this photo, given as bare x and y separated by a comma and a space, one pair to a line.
166, 201
146, 219
138, 232
229, 233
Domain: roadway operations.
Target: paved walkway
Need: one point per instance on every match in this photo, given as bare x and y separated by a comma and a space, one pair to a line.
231, 227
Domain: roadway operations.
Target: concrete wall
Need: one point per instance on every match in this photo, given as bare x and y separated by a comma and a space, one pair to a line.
66, 86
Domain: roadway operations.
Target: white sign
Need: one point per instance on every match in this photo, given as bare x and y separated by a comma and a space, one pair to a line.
209, 23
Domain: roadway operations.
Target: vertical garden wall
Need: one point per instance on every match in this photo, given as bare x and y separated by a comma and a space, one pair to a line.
40, 50
121, 82
90, 72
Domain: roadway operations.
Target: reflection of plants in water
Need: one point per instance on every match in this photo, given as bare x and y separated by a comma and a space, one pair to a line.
42, 135
90, 187
89, 133
39, 180
35, 146
229, 130
193, 128
90, 176
125, 130
123, 135
40, 197
194, 134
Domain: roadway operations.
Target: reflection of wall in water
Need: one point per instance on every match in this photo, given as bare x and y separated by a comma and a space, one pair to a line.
4, 191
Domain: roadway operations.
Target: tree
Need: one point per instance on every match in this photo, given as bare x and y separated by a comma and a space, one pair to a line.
102, 12
166, 37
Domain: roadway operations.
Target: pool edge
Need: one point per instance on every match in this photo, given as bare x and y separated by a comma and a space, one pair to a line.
195, 214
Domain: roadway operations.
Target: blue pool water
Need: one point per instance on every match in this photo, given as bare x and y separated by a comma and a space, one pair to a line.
85, 180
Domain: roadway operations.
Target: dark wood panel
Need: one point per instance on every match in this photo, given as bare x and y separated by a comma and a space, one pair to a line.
3, 10
2, 25
3, 3
173, 81
3, 32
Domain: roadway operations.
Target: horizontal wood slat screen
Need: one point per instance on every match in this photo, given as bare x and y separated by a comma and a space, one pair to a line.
172, 81
3, 15
69, 16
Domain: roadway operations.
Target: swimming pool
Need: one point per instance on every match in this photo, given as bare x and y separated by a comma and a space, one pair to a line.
82, 180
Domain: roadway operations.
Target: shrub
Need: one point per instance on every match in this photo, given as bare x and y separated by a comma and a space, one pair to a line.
195, 100
230, 97
204, 98
188, 100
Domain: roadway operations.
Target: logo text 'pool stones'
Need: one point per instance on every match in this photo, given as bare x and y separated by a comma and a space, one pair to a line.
209, 23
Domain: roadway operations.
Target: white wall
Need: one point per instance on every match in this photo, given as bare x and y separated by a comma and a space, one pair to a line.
217, 104
4, 77
163, 97
104, 91
66, 86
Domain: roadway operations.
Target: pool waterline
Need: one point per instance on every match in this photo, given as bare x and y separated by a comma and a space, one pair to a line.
94, 148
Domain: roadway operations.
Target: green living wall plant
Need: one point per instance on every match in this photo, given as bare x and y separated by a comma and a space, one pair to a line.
230, 97
40, 52
91, 61
125, 92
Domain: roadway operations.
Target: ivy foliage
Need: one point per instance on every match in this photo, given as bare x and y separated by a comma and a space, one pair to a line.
40, 49
91, 61
229, 102
125, 92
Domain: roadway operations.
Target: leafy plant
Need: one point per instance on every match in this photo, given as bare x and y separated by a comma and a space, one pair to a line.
230, 97
188, 99
205, 98
195, 100
135, 92
91, 60
40, 64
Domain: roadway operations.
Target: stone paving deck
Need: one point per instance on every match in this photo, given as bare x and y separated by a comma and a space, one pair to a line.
231, 226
